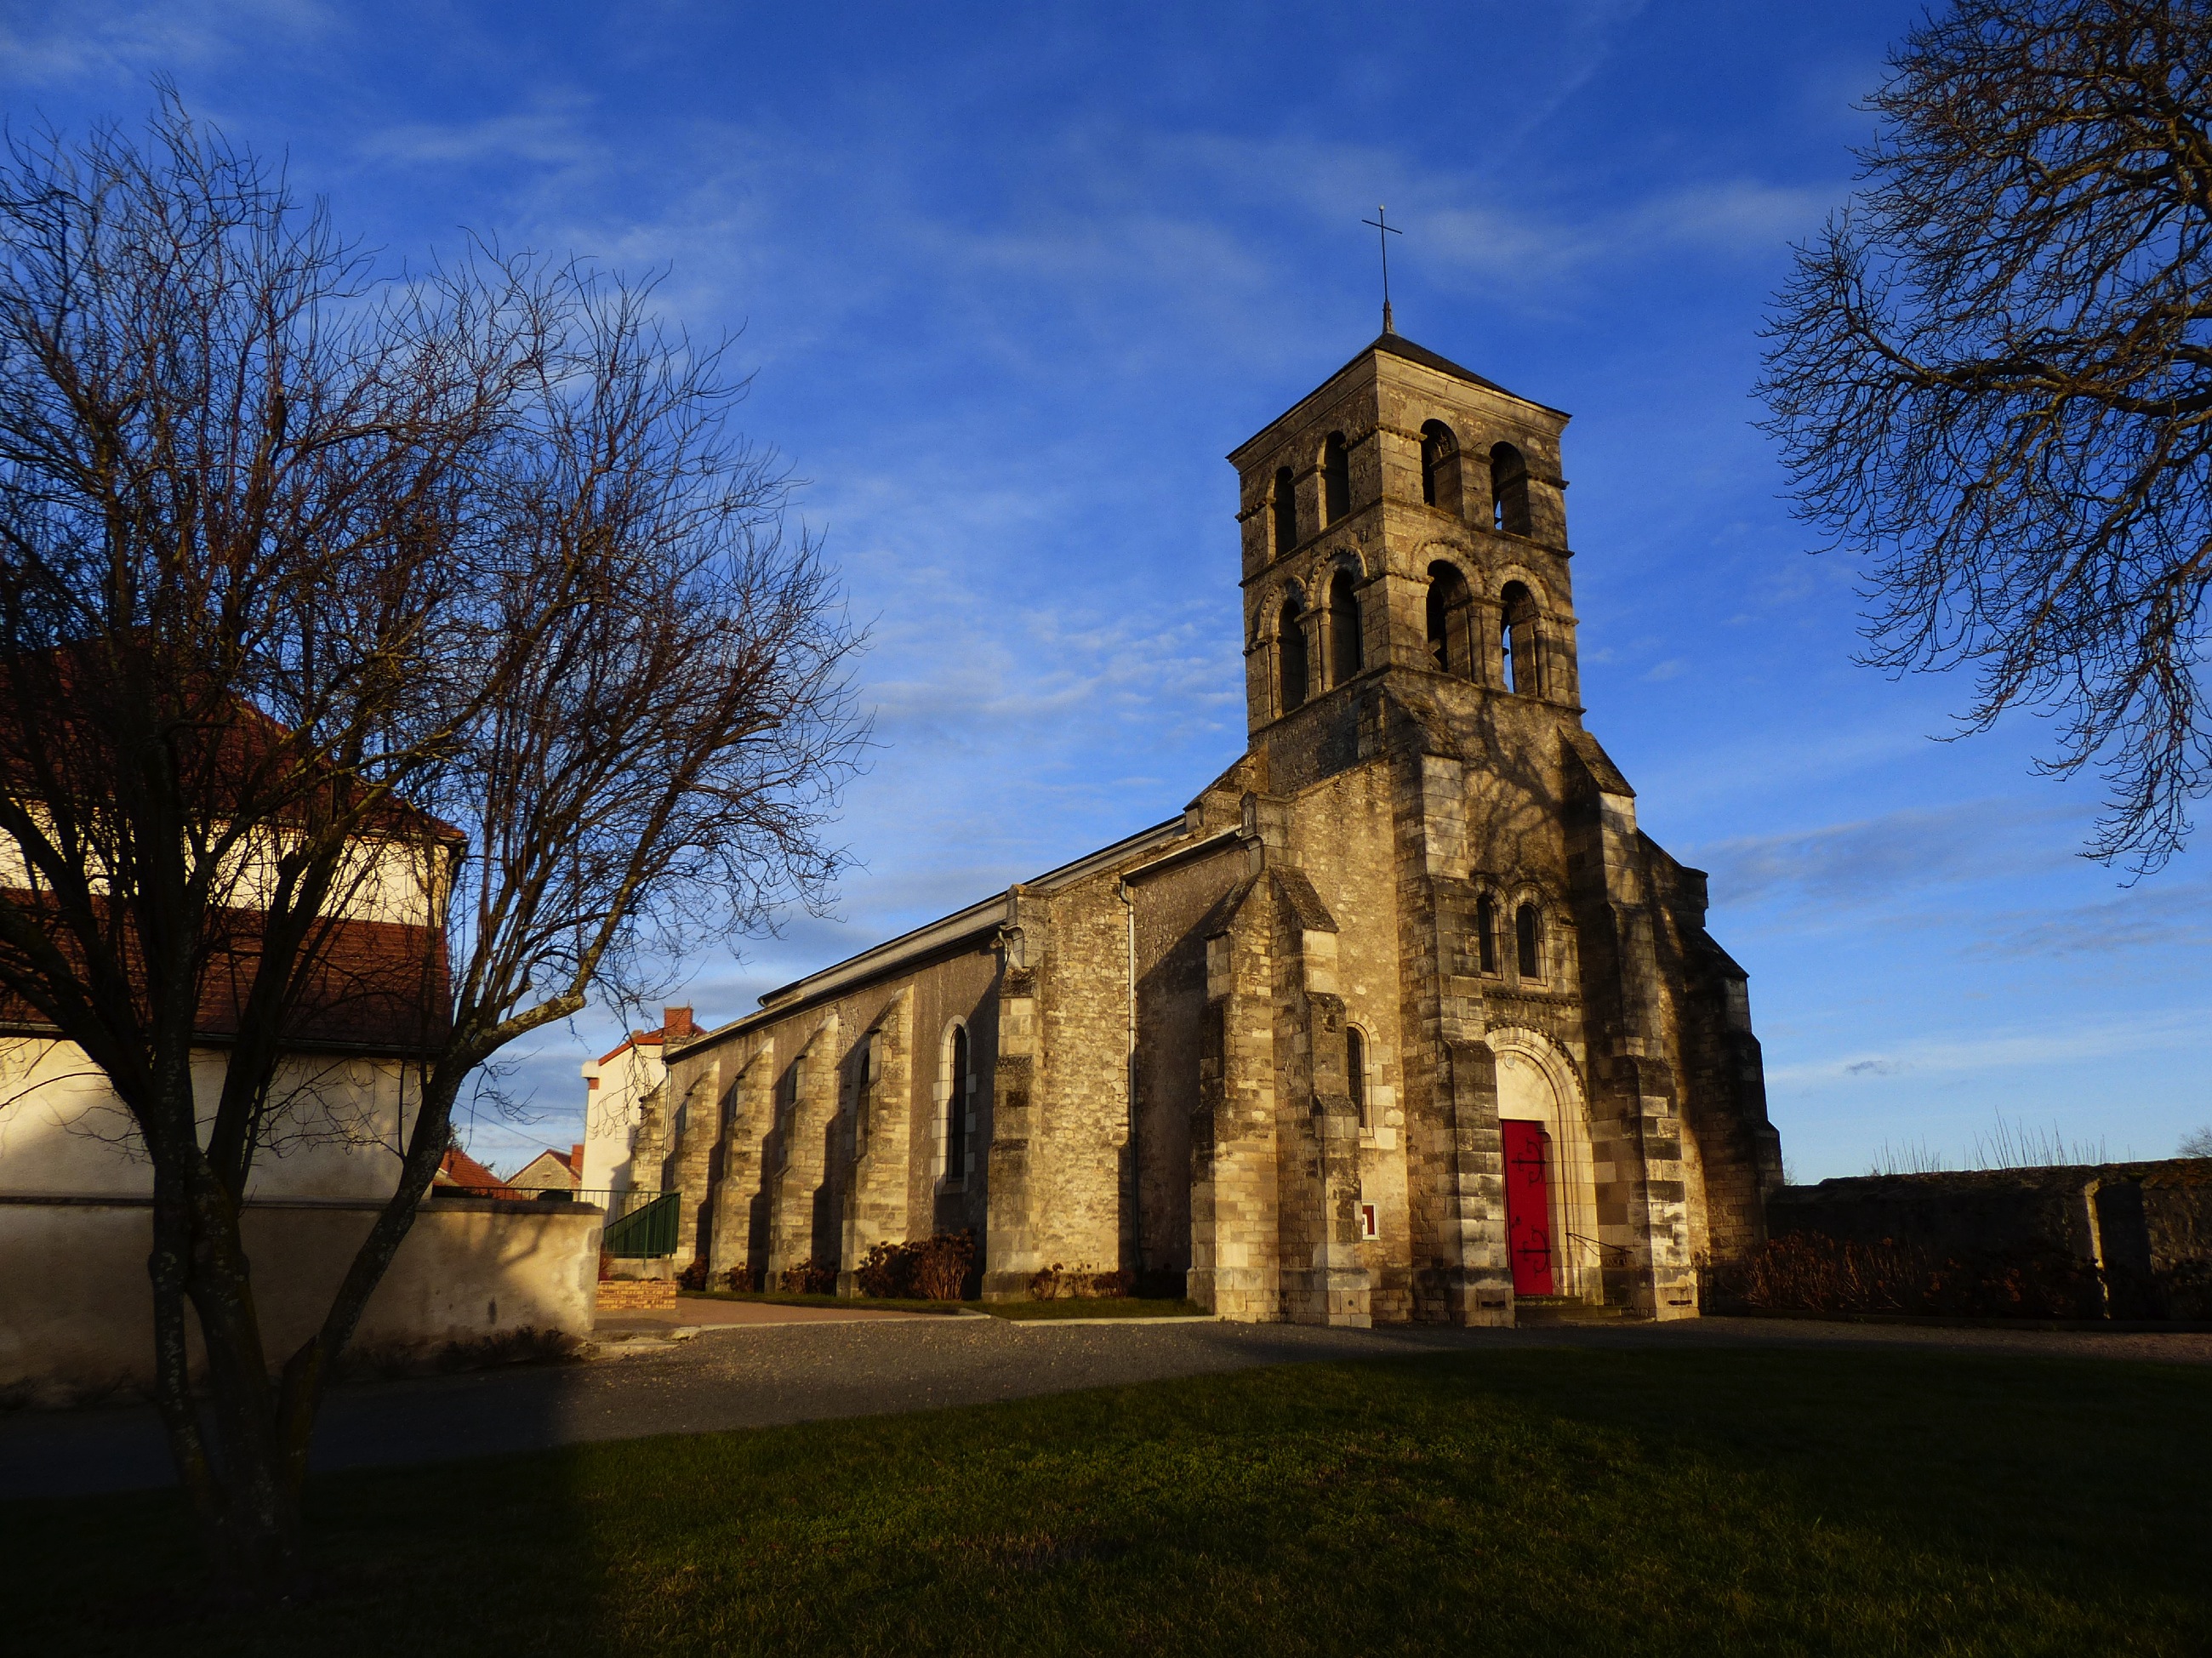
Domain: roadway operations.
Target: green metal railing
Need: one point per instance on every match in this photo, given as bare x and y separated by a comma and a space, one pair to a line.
642, 1225
639, 1225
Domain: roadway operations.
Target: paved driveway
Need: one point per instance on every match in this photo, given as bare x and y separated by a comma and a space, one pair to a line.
744, 1375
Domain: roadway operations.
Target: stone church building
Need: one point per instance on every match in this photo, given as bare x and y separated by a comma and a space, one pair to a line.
1403, 1018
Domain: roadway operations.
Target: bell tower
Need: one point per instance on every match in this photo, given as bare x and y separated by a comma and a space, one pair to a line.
1404, 522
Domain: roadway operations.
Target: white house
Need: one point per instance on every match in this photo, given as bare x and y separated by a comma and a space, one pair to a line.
617, 1086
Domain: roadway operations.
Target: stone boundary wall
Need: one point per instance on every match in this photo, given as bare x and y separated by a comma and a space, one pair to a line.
76, 1311
2142, 1216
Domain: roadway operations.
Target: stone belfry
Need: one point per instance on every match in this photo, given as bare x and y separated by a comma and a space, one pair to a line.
1579, 1107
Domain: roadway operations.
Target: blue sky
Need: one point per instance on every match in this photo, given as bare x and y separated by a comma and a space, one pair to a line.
1013, 280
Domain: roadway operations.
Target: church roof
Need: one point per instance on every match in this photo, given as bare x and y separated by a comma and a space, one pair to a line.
1393, 344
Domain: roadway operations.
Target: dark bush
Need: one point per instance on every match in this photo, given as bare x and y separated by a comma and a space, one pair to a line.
693, 1277
886, 1271
1058, 1283
941, 1265
810, 1277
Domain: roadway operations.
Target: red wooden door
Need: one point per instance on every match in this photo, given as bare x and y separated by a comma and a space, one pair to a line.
1528, 1206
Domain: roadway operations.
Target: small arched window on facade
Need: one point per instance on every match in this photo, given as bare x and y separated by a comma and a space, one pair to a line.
1509, 490
1486, 934
1355, 1071
1346, 655
1335, 479
864, 1067
1527, 942
959, 1089
1290, 652
1516, 641
1440, 467
1450, 602
1286, 511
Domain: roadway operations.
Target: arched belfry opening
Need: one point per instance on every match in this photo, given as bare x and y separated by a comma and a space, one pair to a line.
1291, 653
1440, 467
1346, 653
1516, 640
1509, 490
1286, 511
1335, 478
1451, 605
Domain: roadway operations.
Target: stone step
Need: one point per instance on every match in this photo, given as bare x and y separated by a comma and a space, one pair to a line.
1563, 1309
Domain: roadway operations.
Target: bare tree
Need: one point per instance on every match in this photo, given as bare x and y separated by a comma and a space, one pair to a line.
1993, 376
418, 649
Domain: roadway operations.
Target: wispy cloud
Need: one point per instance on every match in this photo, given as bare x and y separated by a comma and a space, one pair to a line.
2009, 1049
1876, 860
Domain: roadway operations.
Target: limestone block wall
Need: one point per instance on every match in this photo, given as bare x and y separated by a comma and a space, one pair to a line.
76, 1311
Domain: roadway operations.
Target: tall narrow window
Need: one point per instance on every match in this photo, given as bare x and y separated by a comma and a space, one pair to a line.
1528, 941
1355, 1069
1486, 933
864, 1060
1335, 479
1440, 466
1509, 490
1449, 599
1291, 649
957, 1103
1286, 511
1516, 640
1346, 654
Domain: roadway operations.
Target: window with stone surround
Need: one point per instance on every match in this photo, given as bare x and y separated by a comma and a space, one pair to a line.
1529, 942
1509, 490
1486, 934
1440, 467
959, 1089
1291, 653
1286, 511
1450, 603
1335, 479
1516, 641
1346, 650
1355, 1071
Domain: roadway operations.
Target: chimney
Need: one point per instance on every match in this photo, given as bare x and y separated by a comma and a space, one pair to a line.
676, 1025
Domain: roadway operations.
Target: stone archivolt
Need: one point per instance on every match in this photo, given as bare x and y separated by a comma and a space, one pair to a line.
1147, 1059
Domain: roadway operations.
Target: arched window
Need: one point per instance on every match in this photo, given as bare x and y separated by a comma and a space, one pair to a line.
1440, 466
1286, 511
1335, 479
1449, 600
1509, 490
1486, 933
960, 1087
1355, 1069
864, 1065
1345, 654
1291, 650
1528, 940
1516, 641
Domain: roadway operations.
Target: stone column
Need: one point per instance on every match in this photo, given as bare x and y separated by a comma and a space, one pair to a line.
748, 1114
1011, 1257
882, 1123
797, 1228
1236, 1268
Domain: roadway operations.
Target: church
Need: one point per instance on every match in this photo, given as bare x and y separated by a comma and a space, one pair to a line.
1401, 1019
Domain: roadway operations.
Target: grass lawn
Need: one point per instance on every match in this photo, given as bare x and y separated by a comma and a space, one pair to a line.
1527, 1503
1124, 1307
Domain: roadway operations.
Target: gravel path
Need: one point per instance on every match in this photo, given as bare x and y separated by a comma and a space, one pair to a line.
757, 1375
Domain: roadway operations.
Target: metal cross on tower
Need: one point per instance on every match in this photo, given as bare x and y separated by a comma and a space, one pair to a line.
1383, 233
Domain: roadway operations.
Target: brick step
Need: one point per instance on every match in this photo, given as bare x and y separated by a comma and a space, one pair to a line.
1562, 1309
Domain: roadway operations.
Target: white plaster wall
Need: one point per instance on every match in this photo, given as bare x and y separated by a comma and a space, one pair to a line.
76, 1310
339, 1132
612, 1113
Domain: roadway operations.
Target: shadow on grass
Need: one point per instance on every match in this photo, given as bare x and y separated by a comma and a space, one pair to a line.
1532, 1500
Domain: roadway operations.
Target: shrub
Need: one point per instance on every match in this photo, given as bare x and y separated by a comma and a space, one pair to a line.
606, 1266
886, 1271
941, 1265
693, 1277
810, 1277
1810, 1272
1058, 1283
